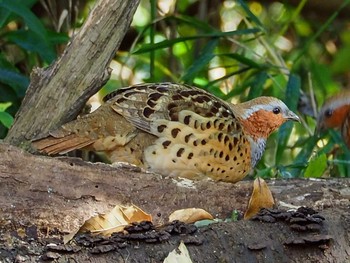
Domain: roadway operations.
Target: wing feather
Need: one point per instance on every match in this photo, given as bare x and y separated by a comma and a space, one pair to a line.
143, 104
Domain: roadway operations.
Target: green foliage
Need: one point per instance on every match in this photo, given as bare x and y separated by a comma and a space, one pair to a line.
316, 167
25, 42
5, 118
292, 98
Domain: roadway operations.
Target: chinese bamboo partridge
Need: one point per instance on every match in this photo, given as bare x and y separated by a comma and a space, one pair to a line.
175, 130
335, 113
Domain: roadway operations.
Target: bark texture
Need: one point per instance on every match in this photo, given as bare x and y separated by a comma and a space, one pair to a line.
41, 198
56, 94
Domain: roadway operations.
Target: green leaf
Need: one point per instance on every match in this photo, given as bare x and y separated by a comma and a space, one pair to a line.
194, 23
4, 15
206, 222
15, 80
57, 37
31, 42
6, 119
264, 173
235, 91
24, 12
293, 92
323, 80
168, 43
292, 98
307, 147
341, 62
301, 161
4, 106
257, 85
202, 61
316, 167
250, 14
244, 60
234, 215
4, 63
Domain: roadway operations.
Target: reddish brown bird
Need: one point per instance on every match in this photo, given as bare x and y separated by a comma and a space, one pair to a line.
175, 130
335, 114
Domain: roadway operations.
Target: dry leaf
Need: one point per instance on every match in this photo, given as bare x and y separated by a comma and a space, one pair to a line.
115, 221
182, 257
135, 214
261, 198
190, 215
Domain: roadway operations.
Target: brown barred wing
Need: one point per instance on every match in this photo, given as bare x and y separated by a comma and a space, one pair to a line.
142, 104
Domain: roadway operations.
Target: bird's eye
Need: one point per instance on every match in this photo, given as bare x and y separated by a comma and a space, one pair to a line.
328, 113
276, 110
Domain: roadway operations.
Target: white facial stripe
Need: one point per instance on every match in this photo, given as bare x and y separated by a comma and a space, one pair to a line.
336, 103
266, 107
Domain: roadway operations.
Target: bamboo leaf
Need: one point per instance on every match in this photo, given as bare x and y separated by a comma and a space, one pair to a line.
292, 97
244, 60
250, 14
5, 105
15, 80
257, 86
202, 61
193, 22
316, 167
6, 119
31, 42
24, 12
168, 43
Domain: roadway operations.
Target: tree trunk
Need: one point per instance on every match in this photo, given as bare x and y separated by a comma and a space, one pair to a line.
57, 94
41, 198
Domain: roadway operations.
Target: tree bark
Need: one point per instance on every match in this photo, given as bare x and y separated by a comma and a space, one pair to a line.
41, 198
56, 94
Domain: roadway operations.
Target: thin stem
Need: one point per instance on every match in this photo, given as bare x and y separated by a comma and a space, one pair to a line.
294, 15
151, 34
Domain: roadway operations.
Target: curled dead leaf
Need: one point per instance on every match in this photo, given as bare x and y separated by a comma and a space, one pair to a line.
190, 215
260, 198
114, 221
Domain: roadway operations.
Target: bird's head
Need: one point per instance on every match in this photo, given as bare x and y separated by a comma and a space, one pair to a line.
333, 112
263, 115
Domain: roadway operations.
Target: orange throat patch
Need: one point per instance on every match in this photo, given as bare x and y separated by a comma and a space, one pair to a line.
261, 124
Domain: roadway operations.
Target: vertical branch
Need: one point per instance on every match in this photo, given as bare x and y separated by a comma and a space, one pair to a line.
56, 94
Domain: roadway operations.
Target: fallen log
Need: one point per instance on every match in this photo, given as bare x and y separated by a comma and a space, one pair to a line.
42, 198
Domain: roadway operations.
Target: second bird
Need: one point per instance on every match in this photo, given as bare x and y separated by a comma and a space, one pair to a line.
335, 114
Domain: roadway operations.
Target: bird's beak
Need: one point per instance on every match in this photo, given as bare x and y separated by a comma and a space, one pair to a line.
292, 116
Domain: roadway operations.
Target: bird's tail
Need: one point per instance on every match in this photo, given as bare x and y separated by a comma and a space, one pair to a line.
52, 145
